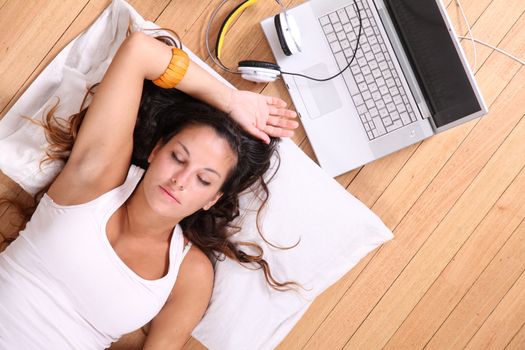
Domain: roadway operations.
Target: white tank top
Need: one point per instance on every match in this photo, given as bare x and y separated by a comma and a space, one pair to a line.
62, 286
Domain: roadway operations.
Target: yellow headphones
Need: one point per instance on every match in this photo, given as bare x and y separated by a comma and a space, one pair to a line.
289, 37
258, 71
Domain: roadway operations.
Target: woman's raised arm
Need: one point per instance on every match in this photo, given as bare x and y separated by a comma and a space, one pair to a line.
102, 151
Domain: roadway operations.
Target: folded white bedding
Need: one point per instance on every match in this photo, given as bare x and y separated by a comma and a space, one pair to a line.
336, 230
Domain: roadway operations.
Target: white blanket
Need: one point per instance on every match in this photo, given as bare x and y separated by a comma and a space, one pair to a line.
336, 230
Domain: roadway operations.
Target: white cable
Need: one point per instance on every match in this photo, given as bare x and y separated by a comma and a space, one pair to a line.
472, 39
497, 49
212, 56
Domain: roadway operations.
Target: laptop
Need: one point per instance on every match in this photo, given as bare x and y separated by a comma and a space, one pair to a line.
410, 78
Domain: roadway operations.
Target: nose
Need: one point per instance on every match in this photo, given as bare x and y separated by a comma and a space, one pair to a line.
181, 178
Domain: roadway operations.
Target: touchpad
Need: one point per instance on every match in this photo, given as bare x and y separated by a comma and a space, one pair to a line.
319, 97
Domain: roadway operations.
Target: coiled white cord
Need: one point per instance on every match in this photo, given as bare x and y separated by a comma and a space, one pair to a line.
474, 41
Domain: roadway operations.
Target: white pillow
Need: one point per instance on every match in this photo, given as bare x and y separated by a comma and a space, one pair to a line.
336, 230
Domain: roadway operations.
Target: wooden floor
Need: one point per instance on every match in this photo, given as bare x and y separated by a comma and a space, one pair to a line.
453, 275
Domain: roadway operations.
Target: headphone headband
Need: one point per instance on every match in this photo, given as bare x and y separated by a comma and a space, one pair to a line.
227, 24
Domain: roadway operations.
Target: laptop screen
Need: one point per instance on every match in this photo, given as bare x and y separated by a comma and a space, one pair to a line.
435, 60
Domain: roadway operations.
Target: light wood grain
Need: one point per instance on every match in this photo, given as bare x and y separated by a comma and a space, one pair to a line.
453, 276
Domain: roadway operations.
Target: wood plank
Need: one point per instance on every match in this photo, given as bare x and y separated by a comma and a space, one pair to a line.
499, 69
26, 39
9, 219
392, 179
426, 161
2, 4
446, 142
482, 248
444, 242
44, 51
518, 341
421, 220
428, 209
503, 12
487, 291
8, 189
407, 330
386, 210
504, 321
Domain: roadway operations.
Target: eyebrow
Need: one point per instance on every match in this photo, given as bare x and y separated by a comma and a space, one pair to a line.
188, 152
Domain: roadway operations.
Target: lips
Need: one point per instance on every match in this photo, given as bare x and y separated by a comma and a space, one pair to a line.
169, 194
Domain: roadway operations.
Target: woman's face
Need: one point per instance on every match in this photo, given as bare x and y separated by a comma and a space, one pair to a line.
186, 174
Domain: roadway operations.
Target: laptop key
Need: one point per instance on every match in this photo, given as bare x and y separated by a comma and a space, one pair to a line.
327, 28
343, 16
336, 47
379, 125
405, 118
331, 37
397, 99
358, 100
372, 80
361, 109
324, 20
347, 75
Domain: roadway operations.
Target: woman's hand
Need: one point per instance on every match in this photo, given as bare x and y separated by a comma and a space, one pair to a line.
262, 116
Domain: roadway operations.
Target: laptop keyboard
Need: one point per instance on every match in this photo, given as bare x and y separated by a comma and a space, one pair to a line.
373, 83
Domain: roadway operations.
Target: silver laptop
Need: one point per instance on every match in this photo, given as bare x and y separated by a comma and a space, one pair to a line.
410, 78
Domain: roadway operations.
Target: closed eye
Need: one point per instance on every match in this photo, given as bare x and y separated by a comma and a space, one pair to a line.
205, 183
177, 159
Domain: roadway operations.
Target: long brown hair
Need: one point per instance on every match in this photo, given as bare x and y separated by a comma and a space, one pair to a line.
162, 114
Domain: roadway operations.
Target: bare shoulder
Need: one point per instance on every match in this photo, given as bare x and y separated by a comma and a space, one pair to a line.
196, 268
186, 305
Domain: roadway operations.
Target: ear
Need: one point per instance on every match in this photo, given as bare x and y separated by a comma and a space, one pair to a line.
213, 201
154, 152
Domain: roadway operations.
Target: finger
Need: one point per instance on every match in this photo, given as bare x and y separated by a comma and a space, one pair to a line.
260, 134
283, 112
282, 122
278, 132
275, 101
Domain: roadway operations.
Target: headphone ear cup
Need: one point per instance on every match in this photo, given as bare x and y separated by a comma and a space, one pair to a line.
280, 35
259, 71
288, 33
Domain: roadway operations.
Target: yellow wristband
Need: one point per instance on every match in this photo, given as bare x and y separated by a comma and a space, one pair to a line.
175, 71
